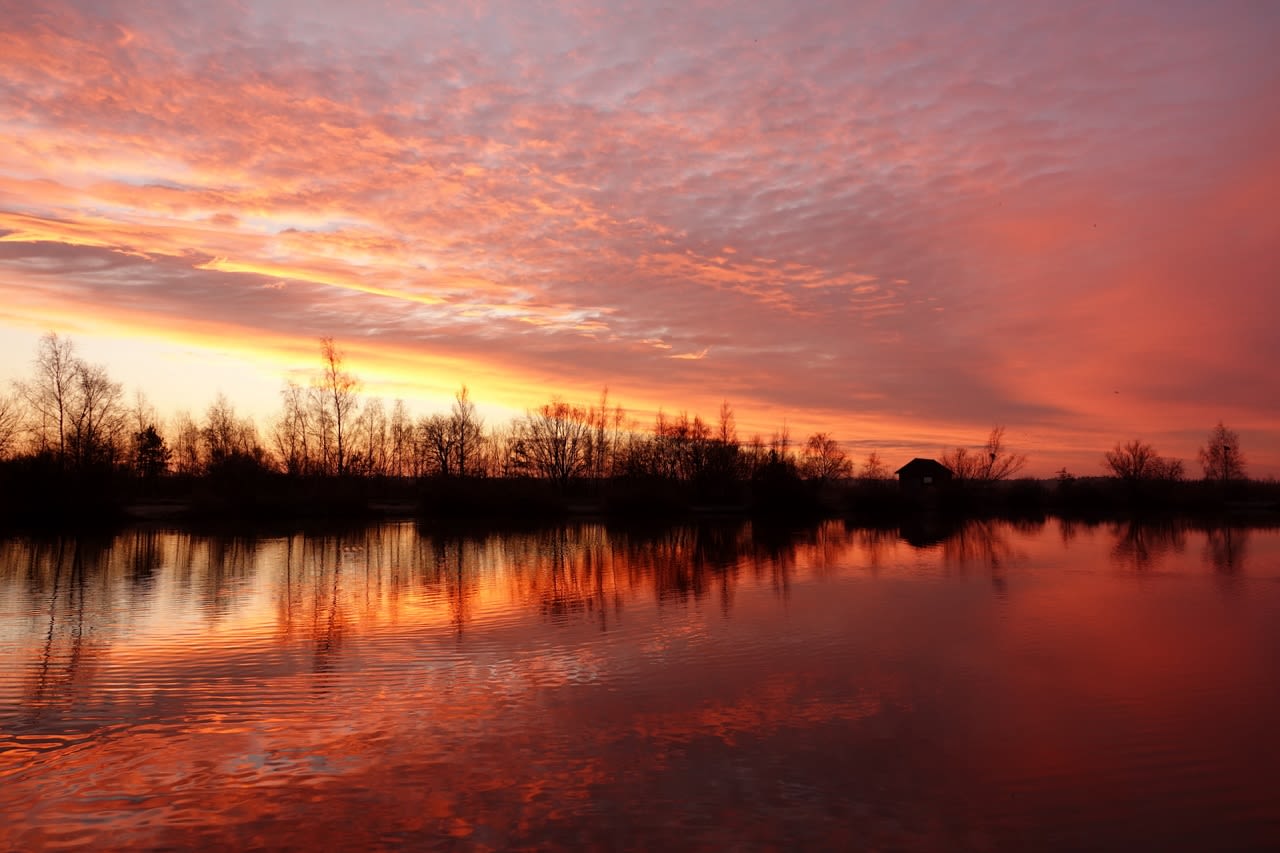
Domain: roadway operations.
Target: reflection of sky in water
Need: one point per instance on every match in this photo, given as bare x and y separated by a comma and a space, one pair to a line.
985, 686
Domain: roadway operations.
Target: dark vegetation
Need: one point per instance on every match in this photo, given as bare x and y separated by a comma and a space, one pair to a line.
73, 449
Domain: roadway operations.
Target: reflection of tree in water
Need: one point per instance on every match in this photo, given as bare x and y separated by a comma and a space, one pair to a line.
328, 623
876, 545
985, 543
74, 605
1142, 545
572, 560
981, 543
773, 553
324, 587
325, 582
456, 576
582, 572
682, 563
1225, 548
145, 560
218, 566
586, 571
1069, 529
824, 548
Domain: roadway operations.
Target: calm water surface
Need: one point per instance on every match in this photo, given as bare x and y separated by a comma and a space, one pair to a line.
993, 687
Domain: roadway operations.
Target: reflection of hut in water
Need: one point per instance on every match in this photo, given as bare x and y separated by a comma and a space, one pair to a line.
921, 473
927, 530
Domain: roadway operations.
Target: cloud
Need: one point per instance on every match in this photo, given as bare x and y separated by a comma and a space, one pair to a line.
586, 195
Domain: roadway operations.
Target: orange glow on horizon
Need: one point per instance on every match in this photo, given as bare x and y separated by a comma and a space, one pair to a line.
880, 240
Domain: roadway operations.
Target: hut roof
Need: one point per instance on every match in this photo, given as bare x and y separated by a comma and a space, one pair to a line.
919, 467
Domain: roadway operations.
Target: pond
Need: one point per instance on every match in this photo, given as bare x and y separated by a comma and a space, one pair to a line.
982, 687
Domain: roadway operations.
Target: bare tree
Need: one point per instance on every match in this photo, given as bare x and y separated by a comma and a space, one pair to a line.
95, 418
142, 414
48, 394
681, 447
10, 423
963, 464
338, 390
435, 436
506, 456
224, 435
552, 441
725, 460
823, 458
780, 444
320, 426
373, 432
1001, 463
603, 449
291, 434
754, 456
874, 468
1137, 460
186, 444
401, 429
1221, 457
727, 428
467, 432
992, 462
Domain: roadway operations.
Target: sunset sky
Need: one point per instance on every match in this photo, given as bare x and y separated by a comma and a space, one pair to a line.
902, 222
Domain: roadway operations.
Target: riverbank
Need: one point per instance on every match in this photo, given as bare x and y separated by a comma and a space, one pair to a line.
55, 501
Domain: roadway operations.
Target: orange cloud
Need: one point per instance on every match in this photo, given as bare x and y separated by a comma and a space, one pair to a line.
545, 207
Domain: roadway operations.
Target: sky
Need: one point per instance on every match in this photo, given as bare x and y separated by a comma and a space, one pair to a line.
899, 222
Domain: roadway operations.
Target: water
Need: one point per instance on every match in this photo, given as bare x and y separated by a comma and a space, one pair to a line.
987, 688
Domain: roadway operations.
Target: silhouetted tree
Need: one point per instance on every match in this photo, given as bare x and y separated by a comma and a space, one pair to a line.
150, 454
466, 431
780, 446
754, 457
1221, 457
874, 468
1137, 460
337, 390
222, 435
551, 442
96, 417
10, 423
436, 439
724, 465
507, 458
401, 429
291, 433
373, 433
681, 448
824, 459
606, 426
186, 445
77, 411
993, 462
48, 394
142, 414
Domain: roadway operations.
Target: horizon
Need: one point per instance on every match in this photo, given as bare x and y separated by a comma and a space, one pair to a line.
901, 226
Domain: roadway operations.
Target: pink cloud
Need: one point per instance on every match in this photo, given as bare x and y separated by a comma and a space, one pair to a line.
1080, 197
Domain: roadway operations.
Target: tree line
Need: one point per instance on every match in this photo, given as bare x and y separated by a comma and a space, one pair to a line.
70, 413
1220, 459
